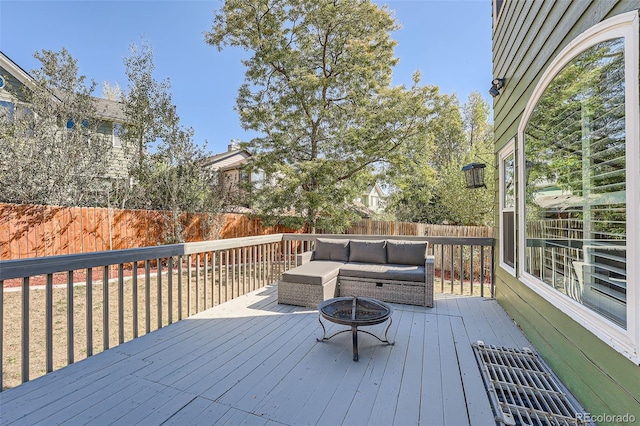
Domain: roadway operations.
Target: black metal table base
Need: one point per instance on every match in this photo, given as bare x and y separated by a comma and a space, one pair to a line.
354, 330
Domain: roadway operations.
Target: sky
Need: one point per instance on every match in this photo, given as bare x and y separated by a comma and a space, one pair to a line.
448, 41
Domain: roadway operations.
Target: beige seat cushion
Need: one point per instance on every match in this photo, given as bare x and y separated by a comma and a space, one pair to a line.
383, 272
317, 272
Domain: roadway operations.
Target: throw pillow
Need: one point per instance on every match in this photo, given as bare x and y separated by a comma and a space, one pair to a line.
368, 251
407, 252
331, 249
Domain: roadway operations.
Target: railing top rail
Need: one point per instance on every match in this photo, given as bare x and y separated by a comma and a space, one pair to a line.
70, 262
475, 241
53, 264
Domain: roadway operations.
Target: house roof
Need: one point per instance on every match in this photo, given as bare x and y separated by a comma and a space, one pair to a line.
106, 108
229, 160
376, 188
15, 70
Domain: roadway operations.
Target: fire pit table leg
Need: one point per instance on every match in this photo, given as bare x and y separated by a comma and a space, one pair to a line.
354, 330
324, 337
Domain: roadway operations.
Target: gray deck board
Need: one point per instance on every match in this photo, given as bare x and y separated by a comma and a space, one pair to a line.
252, 361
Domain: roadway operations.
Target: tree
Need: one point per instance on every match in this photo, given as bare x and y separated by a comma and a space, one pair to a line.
174, 180
113, 93
430, 186
447, 130
476, 112
166, 165
149, 112
464, 206
414, 198
147, 104
52, 151
317, 91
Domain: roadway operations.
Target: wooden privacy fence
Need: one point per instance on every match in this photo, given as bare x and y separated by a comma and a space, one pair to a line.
36, 231
379, 227
28, 231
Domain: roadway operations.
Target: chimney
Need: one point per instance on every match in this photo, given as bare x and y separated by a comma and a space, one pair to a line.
234, 146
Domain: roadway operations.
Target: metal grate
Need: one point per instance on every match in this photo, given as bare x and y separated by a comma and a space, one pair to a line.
523, 390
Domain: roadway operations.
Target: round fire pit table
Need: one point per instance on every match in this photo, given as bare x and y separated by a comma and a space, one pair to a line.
354, 312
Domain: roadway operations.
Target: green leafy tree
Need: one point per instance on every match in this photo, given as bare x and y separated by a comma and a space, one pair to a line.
146, 103
166, 165
430, 186
317, 91
414, 198
52, 152
458, 204
173, 179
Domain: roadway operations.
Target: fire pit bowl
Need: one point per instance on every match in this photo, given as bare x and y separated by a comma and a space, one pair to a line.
354, 312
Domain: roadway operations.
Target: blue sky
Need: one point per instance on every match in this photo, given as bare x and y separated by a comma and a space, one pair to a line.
448, 41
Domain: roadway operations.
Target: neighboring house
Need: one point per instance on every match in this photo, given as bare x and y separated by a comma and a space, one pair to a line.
373, 199
230, 163
111, 116
567, 142
231, 166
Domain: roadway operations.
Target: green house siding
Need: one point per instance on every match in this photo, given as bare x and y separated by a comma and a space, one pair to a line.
11, 83
527, 37
604, 381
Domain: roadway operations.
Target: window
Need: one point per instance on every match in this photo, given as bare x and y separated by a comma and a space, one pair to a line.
116, 131
507, 207
7, 109
576, 230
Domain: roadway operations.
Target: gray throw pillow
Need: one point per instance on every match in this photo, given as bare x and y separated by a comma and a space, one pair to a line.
407, 252
331, 249
368, 251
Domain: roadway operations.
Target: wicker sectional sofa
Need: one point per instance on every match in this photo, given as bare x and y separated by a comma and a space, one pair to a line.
395, 271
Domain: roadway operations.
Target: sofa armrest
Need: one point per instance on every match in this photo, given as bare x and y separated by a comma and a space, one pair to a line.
304, 257
429, 270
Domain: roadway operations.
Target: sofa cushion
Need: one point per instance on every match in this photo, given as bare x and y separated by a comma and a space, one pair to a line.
317, 272
407, 252
367, 251
331, 249
387, 271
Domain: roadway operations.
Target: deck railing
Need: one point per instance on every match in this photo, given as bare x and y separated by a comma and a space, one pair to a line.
57, 310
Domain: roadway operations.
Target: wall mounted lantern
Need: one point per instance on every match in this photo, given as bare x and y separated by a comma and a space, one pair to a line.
474, 174
496, 85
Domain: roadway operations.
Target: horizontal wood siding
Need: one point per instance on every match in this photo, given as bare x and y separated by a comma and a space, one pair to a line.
602, 380
528, 36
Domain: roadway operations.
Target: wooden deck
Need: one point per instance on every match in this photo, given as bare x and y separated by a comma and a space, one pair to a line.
253, 361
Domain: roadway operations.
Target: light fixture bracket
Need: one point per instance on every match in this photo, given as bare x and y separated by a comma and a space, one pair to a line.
496, 85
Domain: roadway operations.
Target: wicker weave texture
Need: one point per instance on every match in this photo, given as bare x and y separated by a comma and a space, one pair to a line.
404, 292
308, 295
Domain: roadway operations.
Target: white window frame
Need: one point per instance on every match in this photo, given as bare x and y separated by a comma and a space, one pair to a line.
506, 151
115, 139
625, 341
